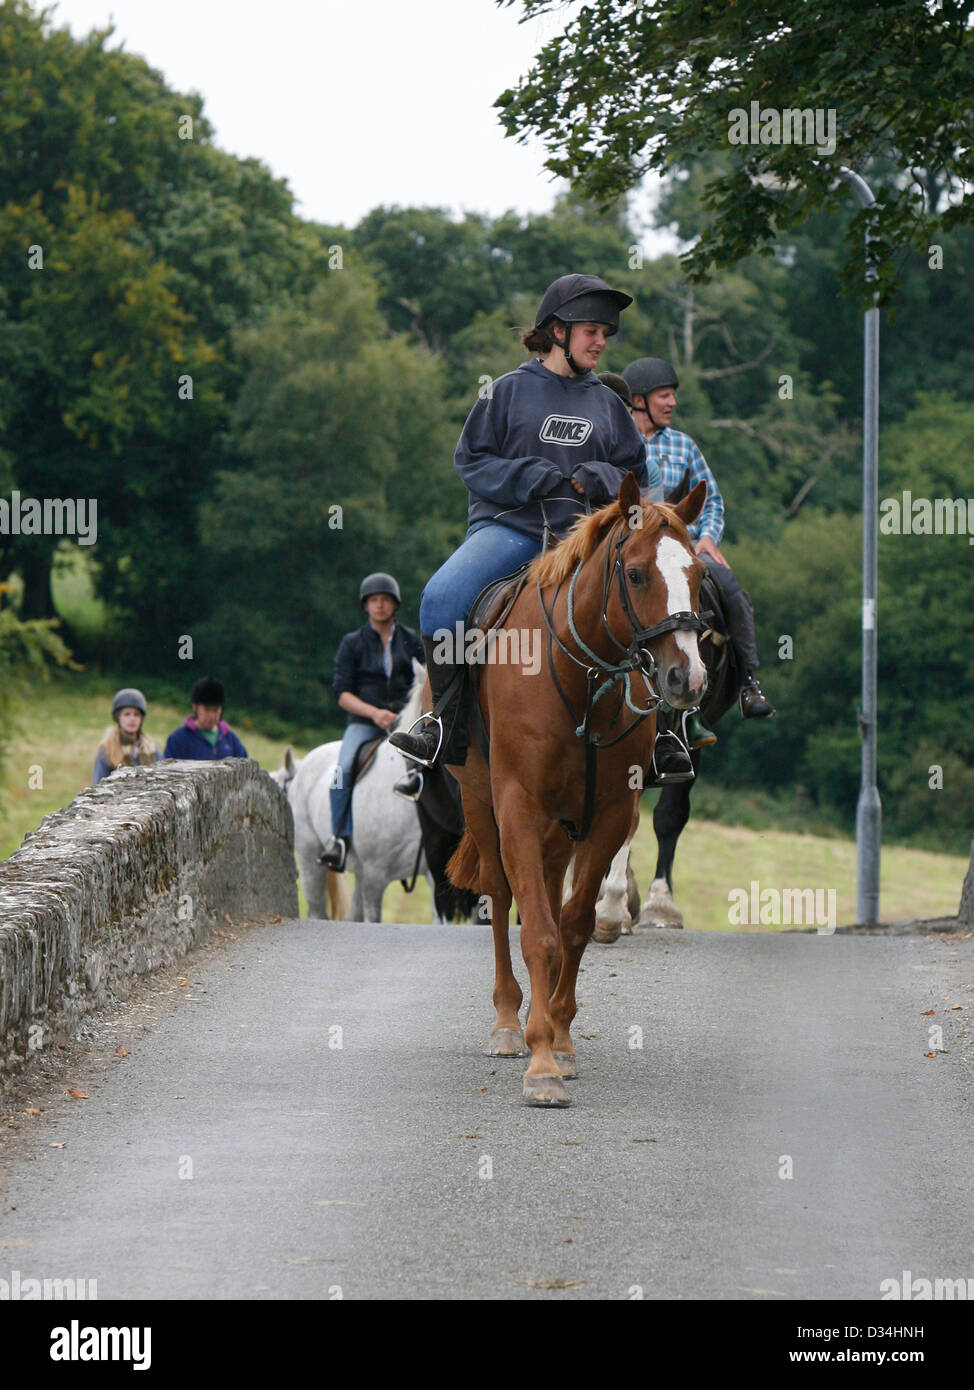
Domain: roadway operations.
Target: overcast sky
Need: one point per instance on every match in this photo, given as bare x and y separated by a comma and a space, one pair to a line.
354, 102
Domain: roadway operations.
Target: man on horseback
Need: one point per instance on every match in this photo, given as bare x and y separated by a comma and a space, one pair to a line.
546, 443
373, 678
654, 384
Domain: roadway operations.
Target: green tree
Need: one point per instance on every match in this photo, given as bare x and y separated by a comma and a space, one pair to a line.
347, 448
634, 85
117, 351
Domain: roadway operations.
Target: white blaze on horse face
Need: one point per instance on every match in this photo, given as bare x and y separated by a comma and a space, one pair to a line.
673, 560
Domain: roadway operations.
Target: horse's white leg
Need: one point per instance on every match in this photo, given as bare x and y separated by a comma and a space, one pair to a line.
355, 912
659, 909
371, 889
314, 879
612, 908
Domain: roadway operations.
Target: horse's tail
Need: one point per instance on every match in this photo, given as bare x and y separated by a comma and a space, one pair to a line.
463, 869
336, 896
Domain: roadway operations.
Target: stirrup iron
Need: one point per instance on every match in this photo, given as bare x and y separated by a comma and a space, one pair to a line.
413, 757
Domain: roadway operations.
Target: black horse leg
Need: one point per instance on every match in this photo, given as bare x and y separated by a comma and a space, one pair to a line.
669, 818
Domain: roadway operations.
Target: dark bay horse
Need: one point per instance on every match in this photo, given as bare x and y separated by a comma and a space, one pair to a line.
672, 809
616, 604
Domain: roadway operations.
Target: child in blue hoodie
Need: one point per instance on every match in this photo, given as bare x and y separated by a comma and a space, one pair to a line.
205, 736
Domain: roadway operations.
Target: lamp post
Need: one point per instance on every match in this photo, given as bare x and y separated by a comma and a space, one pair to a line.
869, 813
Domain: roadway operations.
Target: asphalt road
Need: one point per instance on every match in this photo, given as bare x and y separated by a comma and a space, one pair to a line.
779, 1134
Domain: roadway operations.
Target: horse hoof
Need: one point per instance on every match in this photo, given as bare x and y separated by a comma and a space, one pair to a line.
650, 921
507, 1042
659, 909
567, 1065
607, 933
545, 1090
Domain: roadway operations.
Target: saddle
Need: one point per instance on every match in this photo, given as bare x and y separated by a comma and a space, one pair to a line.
364, 757
490, 610
716, 630
712, 612
493, 604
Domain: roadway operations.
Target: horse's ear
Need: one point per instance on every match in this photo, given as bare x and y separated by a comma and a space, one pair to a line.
289, 767
692, 505
631, 500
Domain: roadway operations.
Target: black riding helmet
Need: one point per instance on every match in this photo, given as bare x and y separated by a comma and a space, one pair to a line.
649, 374
378, 584
581, 299
618, 384
208, 691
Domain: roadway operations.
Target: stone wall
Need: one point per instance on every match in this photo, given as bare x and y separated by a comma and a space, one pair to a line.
127, 878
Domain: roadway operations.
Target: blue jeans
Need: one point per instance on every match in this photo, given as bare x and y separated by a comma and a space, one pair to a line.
488, 552
340, 796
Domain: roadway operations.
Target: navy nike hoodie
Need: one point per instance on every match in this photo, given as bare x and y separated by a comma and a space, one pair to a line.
534, 432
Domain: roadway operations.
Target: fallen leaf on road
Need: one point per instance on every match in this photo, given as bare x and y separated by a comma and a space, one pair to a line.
957, 1006
122, 1051
33, 1110
470, 1136
78, 1095
552, 1283
56, 1146
927, 1012
182, 982
930, 1054
566, 1141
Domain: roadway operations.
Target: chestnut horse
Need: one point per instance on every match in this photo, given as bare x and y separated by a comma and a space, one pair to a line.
615, 602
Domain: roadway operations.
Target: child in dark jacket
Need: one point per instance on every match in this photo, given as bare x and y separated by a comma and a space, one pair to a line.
205, 736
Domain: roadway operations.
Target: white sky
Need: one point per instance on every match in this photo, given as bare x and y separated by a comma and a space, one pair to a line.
355, 102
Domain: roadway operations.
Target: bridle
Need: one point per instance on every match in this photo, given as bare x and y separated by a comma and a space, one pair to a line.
636, 656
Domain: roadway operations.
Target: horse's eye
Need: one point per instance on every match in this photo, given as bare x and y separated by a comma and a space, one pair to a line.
634, 576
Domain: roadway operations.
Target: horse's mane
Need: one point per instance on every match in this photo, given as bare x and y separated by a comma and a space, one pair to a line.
413, 707
588, 533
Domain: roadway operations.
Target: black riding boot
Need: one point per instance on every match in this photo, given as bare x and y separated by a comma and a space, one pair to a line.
410, 785
442, 737
334, 854
754, 703
671, 760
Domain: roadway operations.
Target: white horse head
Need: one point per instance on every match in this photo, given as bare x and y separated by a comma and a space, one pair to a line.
288, 770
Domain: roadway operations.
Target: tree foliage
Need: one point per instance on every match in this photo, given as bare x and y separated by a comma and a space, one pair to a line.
635, 85
346, 469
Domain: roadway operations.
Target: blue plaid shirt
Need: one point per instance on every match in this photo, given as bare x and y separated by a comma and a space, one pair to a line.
674, 454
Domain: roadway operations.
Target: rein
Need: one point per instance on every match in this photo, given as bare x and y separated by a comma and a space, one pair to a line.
636, 657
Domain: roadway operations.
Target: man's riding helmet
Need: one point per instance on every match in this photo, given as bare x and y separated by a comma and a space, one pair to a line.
379, 584
129, 698
581, 299
648, 374
208, 691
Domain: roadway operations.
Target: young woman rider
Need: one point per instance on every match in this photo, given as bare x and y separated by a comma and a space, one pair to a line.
545, 443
